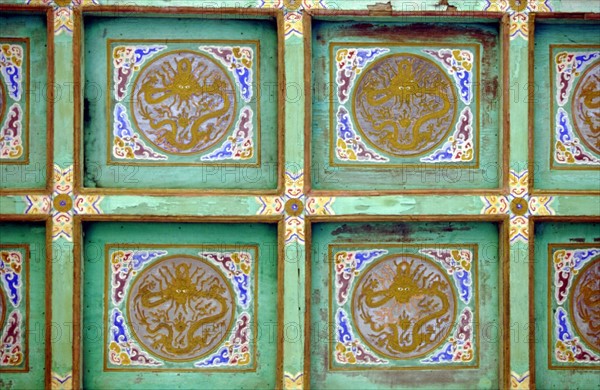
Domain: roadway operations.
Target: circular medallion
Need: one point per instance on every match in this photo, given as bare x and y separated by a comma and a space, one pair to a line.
184, 102
180, 308
518, 5
63, 203
404, 105
519, 206
63, 3
404, 306
585, 107
585, 303
2, 308
294, 207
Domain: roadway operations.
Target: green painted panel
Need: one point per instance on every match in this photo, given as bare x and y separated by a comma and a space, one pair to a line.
168, 302
566, 271
392, 110
217, 128
567, 67
24, 93
405, 305
22, 305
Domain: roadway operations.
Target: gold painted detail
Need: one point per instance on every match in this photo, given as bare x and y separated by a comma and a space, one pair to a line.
63, 203
180, 308
404, 104
184, 102
585, 304
518, 206
404, 306
294, 207
63, 3
585, 108
518, 5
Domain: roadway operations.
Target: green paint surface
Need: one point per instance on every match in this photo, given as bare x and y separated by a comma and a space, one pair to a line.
99, 174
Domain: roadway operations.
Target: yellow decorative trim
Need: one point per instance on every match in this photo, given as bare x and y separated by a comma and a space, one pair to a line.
519, 381
293, 381
62, 382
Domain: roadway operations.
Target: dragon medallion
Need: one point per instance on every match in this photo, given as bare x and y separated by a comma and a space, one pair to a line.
404, 306
585, 303
586, 107
183, 102
404, 104
181, 308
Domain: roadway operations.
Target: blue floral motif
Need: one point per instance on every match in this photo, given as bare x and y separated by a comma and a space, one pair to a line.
349, 145
241, 283
244, 77
221, 357
459, 347
10, 67
364, 56
461, 272
345, 130
465, 82
565, 133
580, 257
144, 51
459, 63
363, 257
349, 62
239, 61
563, 331
236, 351
225, 152
122, 126
237, 266
459, 146
238, 146
350, 350
12, 281
118, 327
582, 59
14, 76
343, 330
142, 257
441, 155
463, 282
445, 355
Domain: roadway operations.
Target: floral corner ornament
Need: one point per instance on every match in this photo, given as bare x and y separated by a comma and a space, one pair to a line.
63, 204
518, 11
519, 205
12, 284
12, 65
294, 205
63, 12
293, 13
